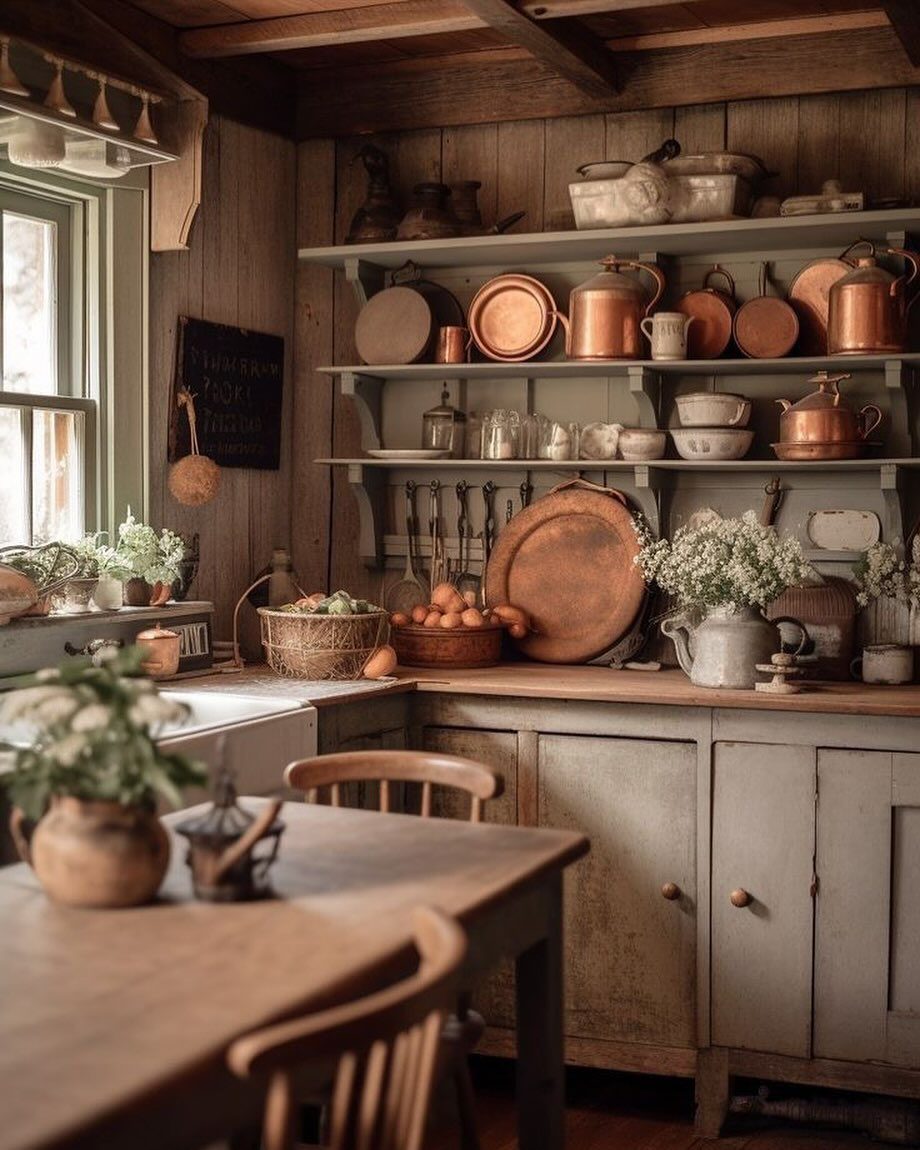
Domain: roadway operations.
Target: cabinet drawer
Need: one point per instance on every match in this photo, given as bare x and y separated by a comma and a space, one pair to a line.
630, 953
763, 841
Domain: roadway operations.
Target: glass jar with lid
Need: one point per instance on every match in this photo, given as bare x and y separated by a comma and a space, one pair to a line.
444, 428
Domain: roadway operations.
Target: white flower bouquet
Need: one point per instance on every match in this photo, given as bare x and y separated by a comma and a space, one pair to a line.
883, 573
731, 563
91, 727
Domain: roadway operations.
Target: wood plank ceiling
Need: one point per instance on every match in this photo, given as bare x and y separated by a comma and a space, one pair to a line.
364, 63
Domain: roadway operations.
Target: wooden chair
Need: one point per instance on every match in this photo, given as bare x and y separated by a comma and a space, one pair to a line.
385, 1047
464, 1028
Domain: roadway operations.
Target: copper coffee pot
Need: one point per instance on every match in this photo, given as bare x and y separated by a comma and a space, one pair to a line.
606, 311
821, 418
867, 308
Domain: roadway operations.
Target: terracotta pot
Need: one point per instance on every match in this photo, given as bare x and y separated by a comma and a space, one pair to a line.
94, 853
137, 593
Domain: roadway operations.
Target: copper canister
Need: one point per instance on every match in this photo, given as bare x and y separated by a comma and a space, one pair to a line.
162, 647
606, 311
867, 308
453, 345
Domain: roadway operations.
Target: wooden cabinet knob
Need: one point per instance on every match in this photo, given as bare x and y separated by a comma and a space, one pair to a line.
670, 891
740, 897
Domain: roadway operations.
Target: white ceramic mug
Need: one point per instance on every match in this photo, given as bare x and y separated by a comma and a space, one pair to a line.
888, 663
667, 331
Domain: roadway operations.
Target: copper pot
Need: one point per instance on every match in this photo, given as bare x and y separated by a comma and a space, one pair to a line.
867, 308
163, 650
714, 311
820, 418
606, 311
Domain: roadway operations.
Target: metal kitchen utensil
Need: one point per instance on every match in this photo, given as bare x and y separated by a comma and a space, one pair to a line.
465, 580
606, 310
766, 327
509, 510
409, 591
568, 561
821, 417
488, 524
437, 538
868, 307
378, 217
526, 490
512, 318
821, 452
714, 311
430, 217
809, 295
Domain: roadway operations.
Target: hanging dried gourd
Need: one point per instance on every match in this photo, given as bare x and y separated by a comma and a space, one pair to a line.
194, 479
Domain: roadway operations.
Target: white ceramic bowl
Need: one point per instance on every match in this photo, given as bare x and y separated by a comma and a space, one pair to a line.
711, 443
713, 409
642, 444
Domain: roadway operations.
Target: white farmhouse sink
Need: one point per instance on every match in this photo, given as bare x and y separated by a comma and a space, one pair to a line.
211, 709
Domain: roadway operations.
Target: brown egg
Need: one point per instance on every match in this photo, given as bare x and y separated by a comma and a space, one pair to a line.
517, 631
509, 614
399, 619
472, 618
432, 619
419, 614
447, 597
382, 662
451, 620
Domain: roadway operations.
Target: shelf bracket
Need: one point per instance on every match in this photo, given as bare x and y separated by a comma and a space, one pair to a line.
649, 496
645, 388
890, 479
365, 390
898, 376
370, 487
365, 278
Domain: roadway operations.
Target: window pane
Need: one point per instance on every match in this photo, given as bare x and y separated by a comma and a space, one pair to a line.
29, 305
57, 469
14, 514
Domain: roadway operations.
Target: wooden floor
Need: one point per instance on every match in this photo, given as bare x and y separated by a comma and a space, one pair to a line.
609, 1111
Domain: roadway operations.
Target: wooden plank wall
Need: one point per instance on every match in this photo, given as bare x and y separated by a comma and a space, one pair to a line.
239, 269
870, 140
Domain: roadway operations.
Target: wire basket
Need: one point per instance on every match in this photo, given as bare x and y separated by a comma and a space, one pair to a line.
321, 646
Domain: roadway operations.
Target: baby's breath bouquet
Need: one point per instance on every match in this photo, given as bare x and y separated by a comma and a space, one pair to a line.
730, 563
883, 573
89, 729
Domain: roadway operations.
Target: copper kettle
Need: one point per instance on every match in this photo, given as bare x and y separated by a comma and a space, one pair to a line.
605, 312
821, 418
867, 308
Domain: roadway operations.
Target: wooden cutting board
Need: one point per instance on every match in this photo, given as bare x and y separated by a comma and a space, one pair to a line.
568, 560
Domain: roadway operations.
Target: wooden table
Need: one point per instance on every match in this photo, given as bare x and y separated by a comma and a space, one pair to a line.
114, 1024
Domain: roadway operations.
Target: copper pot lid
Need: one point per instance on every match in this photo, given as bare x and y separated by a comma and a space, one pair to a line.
394, 326
512, 318
568, 561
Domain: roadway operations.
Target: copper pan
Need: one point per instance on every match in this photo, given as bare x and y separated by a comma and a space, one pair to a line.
765, 327
713, 310
818, 452
809, 295
512, 318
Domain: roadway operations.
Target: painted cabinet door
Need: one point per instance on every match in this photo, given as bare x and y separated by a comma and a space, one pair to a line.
630, 953
867, 944
763, 837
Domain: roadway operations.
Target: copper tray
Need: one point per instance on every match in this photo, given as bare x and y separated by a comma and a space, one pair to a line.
464, 647
817, 452
512, 318
808, 295
568, 561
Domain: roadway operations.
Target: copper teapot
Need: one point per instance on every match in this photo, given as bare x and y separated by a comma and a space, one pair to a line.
867, 308
606, 311
822, 419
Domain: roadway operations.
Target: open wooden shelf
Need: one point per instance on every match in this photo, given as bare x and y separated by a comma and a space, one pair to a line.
771, 465
533, 249
607, 368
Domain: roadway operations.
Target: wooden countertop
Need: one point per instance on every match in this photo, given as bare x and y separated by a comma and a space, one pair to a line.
669, 687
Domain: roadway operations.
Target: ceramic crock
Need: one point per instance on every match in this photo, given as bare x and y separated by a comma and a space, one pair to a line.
727, 645
92, 853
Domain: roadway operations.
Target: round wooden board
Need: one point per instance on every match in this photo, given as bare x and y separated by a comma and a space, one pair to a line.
394, 326
567, 560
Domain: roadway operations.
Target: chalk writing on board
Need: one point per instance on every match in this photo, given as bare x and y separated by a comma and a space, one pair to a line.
236, 378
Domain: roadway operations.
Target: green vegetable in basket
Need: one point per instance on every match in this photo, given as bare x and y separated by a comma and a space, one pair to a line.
340, 607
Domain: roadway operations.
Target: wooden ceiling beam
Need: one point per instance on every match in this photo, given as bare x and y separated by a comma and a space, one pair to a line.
905, 18
346, 101
565, 47
762, 30
318, 29
557, 9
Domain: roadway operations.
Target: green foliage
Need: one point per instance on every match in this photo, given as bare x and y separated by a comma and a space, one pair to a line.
143, 554
92, 726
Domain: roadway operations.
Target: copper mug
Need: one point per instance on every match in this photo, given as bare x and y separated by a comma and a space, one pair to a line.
453, 345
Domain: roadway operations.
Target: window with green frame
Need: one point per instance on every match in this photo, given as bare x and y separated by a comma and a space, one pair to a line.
73, 296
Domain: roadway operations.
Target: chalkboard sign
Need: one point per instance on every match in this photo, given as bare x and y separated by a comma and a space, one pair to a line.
235, 378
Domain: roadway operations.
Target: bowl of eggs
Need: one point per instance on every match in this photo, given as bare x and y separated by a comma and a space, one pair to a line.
452, 631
